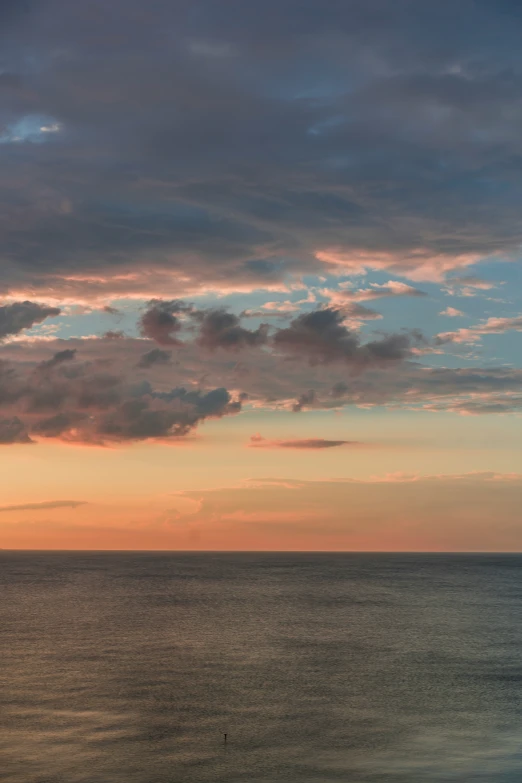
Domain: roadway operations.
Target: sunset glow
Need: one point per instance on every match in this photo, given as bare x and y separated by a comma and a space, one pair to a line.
261, 282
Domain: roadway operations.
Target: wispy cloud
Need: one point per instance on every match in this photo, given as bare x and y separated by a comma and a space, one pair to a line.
44, 505
393, 288
474, 333
468, 285
258, 442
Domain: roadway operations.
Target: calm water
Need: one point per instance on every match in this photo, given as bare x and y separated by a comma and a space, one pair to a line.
118, 668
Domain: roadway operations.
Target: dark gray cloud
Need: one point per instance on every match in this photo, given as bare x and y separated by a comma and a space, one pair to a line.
67, 355
225, 147
221, 329
80, 401
217, 327
114, 335
160, 322
167, 414
305, 399
156, 356
12, 430
322, 338
16, 317
59, 424
339, 389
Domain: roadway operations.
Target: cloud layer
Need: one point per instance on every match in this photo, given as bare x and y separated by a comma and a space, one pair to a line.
102, 390
160, 152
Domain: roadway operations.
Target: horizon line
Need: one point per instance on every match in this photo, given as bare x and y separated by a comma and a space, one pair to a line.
273, 551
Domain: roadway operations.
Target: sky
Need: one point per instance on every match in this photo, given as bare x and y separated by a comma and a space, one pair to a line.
261, 281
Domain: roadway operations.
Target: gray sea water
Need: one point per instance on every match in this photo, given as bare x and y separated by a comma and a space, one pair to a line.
127, 668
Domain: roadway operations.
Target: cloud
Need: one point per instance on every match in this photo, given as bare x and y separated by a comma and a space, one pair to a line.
417, 264
164, 414
481, 405
156, 356
12, 430
474, 333
467, 285
100, 396
160, 322
84, 402
322, 338
500, 325
48, 504
339, 389
356, 312
66, 425
67, 355
16, 317
139, 416
114, 335
392, 288
452, 312
377, 157
256, 441
221, 329
281, 307
305, 399
279, 314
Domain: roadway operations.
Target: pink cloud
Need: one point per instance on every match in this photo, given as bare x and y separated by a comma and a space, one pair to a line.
452, 312
280, 306
376, 291
418, 264
468, 285
155, 283
474, 333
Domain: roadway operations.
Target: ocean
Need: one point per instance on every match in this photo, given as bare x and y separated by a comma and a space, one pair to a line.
131, 667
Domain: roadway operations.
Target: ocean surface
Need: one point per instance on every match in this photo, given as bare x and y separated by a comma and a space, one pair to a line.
127, 668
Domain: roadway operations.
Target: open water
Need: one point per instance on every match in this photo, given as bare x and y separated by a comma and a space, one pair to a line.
129, 668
